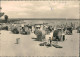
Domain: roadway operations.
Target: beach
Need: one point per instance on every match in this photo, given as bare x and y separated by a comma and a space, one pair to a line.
27, 45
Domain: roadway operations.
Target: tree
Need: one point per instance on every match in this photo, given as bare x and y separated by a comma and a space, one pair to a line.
1, 13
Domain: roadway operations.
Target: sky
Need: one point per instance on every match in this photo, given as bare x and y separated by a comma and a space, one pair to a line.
40, 9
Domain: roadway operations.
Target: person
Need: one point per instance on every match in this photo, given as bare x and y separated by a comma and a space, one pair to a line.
50, 40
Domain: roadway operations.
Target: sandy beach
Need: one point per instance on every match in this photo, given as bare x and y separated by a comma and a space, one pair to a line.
29, 47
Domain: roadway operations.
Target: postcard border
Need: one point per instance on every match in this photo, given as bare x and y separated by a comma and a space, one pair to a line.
45, 0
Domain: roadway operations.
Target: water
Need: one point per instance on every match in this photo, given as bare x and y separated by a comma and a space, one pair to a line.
53, 22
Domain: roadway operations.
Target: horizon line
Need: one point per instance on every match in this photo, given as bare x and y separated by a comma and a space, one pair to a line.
40, 18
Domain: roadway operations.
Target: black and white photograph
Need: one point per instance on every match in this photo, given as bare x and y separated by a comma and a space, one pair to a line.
48, 28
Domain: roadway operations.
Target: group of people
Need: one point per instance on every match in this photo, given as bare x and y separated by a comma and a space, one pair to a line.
57, 34
54, 33
27, 29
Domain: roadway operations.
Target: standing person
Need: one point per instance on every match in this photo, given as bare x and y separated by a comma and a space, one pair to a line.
50, 41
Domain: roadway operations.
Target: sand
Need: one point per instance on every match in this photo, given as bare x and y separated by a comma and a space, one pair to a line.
29, 47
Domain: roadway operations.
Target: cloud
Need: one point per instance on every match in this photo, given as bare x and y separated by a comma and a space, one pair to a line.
40, 9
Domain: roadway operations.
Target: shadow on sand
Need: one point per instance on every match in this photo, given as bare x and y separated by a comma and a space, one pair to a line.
35, 39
